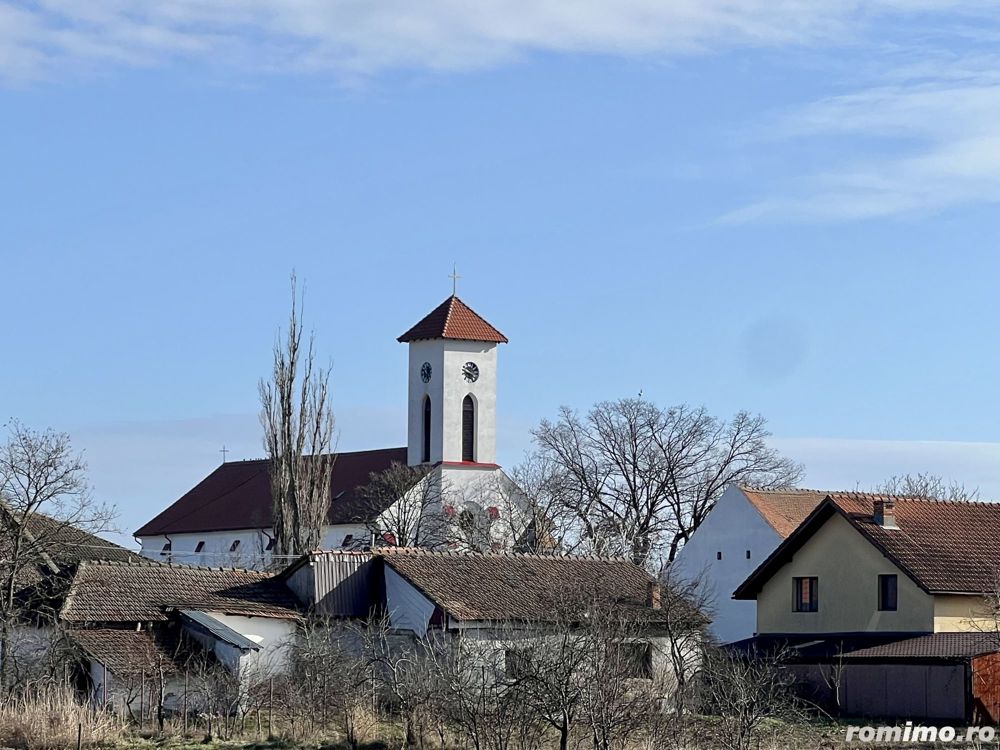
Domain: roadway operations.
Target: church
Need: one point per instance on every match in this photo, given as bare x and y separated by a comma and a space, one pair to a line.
462, 498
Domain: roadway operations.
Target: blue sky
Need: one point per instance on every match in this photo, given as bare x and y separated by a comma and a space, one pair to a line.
783, 207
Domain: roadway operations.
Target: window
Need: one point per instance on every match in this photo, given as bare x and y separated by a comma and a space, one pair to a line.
234, 546
517, 663
199, 548
806, 594
272, 542
718, 555
887, 593
347, 540
426, 450
468, 429
748, 554
635, 660
165, 552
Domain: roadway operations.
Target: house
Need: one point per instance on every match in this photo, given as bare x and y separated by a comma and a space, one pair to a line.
150, 620
883, 603
487, 597
41, 569
452, 390
744, 527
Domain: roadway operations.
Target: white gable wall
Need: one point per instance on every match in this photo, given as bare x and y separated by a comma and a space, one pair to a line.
733, 527
408, 608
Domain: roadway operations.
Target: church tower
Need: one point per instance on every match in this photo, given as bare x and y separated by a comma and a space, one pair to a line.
452, 386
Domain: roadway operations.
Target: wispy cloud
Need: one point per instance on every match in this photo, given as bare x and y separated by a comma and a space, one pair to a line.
52, 37
923, 137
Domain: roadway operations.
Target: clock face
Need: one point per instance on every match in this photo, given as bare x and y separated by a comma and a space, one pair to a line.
425, 372
470, 372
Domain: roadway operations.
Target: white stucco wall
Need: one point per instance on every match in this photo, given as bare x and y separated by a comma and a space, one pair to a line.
447, 389
251, 552
408, 608
274, 636
733, 527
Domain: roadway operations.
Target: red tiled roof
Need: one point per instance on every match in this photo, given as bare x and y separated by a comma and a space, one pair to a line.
510, 586
945, 546
784, 510
237, 495
112, 592
453, 319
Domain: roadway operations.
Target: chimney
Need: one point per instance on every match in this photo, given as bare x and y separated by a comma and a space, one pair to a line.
885, 513
653, 595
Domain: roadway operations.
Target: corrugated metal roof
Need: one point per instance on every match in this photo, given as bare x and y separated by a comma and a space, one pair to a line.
218, 630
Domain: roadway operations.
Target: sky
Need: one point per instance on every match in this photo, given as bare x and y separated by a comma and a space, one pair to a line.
787, 207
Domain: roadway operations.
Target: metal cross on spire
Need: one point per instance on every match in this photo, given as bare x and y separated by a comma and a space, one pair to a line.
454, 279
224, 451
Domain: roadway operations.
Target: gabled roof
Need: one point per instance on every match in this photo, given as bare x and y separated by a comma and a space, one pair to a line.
785, 509
205, 623
453, 319
109, 592
237, 495
944, 546
510, 586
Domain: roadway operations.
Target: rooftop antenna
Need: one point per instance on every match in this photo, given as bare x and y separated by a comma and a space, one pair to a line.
224, 451
454, 279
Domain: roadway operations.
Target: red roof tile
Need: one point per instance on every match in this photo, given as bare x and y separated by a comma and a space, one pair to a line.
237, 495
784, 510
453, 319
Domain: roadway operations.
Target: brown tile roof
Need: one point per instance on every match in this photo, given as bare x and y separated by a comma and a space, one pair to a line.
453, 319
54, 547
126, 651
237, 495
874, 646
108, 592
498, 587
784, 510
945, 546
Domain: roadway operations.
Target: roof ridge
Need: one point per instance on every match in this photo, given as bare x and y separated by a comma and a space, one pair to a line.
913, 498
509, 554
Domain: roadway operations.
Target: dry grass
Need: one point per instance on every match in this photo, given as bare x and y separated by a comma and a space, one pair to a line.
52, 719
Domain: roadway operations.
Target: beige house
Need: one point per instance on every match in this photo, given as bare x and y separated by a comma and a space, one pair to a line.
894, 592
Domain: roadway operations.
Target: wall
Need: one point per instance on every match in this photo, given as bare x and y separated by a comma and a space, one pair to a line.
733, 527
847, 566
408, 609
251, 553
955, 613
447, 389
274, 636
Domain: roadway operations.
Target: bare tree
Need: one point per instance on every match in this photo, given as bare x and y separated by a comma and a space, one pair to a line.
926, 486
748, 690
638, 480
298, 436
45, 501
685, 608
403, 506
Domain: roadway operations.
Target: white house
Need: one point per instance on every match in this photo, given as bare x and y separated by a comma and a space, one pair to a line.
137, 622
745, 526
452, 395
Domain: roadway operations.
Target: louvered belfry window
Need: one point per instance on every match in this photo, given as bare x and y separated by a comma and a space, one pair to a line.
468, 429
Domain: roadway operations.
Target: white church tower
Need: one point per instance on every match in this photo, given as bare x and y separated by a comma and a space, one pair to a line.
452, 388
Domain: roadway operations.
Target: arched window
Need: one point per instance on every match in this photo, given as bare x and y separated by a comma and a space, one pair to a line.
426, 452
468, 429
